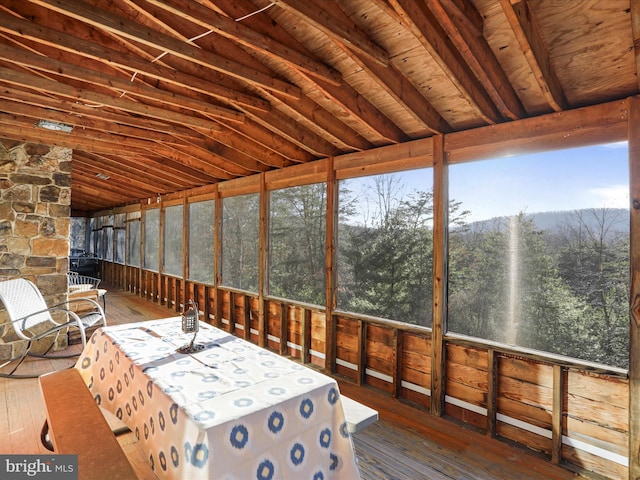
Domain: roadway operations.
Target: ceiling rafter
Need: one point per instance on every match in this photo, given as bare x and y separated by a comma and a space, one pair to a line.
346, 97
92, 98
387, 76
478, 55
77, 112
130, 63
102, 19
123, 87
526, 30
322, 16
249, 38
424, 26
307, 112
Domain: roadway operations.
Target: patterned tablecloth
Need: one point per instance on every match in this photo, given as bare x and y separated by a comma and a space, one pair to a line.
231, 411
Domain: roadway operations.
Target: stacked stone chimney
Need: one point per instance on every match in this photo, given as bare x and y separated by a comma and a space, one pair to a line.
35, 208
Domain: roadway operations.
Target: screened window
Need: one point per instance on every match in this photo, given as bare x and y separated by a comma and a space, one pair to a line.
201, 241
133, 240
297, 242
172, 245
240, 239
78, 234
107, 237
384, 252
93, 238
151, 239
107, 243
119, 237
540, 258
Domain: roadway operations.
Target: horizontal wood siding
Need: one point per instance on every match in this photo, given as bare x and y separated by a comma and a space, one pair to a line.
598, 407
525, 394
415, 367
317, 335
466, 384
380, 357
347, 347
396, 360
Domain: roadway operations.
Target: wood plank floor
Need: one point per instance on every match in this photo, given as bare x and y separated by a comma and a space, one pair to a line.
405, 444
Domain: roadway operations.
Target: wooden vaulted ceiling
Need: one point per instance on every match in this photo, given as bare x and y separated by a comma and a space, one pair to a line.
166, 95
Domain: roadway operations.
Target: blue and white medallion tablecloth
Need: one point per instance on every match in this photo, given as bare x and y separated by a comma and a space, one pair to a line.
231, 411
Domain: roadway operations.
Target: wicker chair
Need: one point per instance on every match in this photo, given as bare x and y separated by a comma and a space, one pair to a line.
32, 321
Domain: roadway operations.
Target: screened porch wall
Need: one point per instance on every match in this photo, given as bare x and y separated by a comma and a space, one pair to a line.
569, 411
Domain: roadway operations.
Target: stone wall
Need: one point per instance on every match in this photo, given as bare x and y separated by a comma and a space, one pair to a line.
35, 210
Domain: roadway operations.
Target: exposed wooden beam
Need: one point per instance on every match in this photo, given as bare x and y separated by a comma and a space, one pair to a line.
134, 177
355, 106
422, 23
64, 42
98, 99
526, 30
126, 28
78, 112
117, 84
478, 55
635, 31
247, 37
317, 119
322, 16
157, 177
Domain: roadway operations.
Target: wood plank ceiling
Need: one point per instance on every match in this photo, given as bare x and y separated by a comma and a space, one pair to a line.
166, 95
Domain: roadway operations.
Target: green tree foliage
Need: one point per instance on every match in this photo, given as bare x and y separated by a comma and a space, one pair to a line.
297, 239
240, 235
386, 265
560, 290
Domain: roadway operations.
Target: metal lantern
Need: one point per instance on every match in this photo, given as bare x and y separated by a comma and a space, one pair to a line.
191, 324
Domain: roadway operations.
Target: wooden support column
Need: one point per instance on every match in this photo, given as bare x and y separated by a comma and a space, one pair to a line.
440, 234
492, 391
217, 256
263, 254
284, 331
330, 270
556, 421
634, 327
305, 336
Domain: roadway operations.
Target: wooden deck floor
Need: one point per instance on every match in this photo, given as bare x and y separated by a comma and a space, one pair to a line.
405, 444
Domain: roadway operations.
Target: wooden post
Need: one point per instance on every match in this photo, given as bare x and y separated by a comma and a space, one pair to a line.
557, 417
263, 254
634, 324
217, 256
330, 270
492, 391
440, 238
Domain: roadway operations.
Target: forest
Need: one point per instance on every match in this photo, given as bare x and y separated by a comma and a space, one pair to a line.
557, 282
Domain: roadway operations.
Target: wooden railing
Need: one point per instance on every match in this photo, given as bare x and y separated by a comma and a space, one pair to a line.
573, 413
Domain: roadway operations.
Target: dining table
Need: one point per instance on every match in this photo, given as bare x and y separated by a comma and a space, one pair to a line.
230, 410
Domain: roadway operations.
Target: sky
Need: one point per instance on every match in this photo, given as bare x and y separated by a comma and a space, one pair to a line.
586, 177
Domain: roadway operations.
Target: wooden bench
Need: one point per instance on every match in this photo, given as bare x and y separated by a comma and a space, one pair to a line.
359, 416
76, 426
